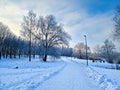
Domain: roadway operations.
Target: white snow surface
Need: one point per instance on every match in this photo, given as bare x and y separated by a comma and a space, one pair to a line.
62, 74
104, 74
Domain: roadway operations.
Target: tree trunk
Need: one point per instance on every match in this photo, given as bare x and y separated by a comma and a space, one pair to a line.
6, 55
0, 55
10, 55
45, 58
80, 56
19, 55
14, 55
3, 54
33, 55
30, 50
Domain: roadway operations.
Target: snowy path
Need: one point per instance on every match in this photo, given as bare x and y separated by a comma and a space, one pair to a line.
27, 78
63, 74
72, 77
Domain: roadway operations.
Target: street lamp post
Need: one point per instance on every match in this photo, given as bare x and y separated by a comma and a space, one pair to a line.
86, 48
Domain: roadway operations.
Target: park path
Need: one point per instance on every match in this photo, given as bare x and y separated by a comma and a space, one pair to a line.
72, 77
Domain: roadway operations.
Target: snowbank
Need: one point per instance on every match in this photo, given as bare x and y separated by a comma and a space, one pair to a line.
103, 74
102, 80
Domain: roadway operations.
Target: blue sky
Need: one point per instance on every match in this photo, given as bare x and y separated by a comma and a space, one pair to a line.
80, 17
99, 6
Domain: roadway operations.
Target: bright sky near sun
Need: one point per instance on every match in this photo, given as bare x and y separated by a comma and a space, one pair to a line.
80, 17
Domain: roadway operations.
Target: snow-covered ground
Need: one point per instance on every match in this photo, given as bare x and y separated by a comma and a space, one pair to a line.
104, 74
62, 74
28, 75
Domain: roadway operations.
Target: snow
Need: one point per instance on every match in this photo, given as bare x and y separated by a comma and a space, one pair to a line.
72, 77
60, 74
108, 79
28, 75
104, 74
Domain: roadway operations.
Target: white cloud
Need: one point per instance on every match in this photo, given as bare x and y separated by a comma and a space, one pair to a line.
14, 27
77, 22
97, 28
11, 15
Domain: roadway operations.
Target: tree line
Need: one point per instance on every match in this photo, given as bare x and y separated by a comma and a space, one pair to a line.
11, 45
43, 36
40, 35
107, 50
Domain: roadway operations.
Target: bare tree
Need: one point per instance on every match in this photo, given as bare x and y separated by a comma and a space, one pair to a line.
4, 32
97, 51
80, 50
117, 24
50, 33
46, 31
108, 50
28, 27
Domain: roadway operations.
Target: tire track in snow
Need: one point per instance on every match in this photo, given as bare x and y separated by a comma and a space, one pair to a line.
19, 82
24, 72
28, 83
46, 77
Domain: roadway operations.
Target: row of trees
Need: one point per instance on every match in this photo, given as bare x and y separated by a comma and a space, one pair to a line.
116, 36
108, 49
45, 32
41, 36
108, 52
7, 46
12, 46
